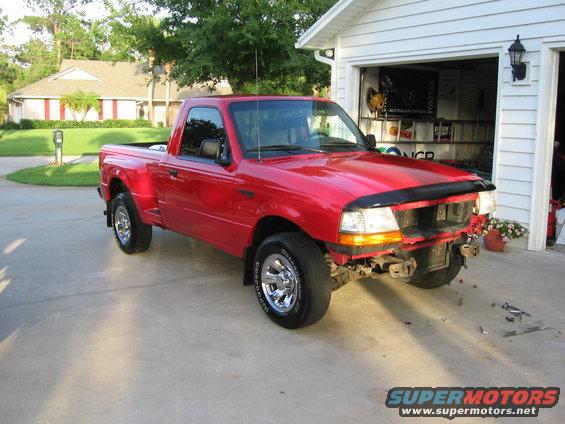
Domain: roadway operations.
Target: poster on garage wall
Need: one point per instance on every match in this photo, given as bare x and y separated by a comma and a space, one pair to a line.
408, 92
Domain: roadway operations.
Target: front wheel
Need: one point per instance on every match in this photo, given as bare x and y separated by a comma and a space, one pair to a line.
292, 280
130, 232
438, 278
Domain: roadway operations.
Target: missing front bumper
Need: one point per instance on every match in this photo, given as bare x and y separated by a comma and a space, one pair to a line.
469, 250
403, 269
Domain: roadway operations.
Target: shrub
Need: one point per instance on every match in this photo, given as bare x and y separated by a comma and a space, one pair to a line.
10, 125
37, 124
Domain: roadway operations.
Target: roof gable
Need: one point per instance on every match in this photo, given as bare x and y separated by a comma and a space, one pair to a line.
76, 74
321, 34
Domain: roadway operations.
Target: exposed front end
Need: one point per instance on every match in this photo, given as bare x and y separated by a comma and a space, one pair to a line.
409, 234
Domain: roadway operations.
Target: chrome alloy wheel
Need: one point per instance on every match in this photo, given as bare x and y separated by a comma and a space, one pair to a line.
122, 224
280, 283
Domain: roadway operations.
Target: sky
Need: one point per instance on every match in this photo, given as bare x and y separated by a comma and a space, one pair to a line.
16, 9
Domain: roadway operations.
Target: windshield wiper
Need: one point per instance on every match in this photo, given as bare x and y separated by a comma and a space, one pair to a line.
284, 147
341, 144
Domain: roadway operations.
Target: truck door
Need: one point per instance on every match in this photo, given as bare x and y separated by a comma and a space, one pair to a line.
198, 192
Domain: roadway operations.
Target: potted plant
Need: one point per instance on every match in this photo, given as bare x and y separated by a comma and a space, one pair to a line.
497, 232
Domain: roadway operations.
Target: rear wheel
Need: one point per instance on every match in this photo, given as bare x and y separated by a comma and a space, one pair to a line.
130, 232
292, 280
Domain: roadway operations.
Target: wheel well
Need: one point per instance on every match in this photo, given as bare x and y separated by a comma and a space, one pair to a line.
117, 186
270, 225
267, 227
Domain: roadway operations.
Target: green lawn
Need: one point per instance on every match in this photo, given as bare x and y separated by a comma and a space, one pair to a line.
72, 174
79, 141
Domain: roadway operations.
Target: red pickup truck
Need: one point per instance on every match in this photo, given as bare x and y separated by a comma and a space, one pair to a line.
292, 186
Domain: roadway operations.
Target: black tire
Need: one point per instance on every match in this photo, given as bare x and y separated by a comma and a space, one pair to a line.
312, 282
441, 277
139, 233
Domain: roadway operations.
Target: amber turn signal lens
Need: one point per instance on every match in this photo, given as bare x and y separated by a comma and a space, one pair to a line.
370, 239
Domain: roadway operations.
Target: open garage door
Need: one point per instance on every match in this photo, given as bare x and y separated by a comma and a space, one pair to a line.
441, 111
555, 232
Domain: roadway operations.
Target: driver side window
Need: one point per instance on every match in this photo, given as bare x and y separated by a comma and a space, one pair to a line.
203, 123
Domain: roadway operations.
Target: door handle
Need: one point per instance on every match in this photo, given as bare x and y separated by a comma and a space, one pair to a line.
174, 172
247, 193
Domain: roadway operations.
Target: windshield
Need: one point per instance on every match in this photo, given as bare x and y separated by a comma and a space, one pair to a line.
290, 127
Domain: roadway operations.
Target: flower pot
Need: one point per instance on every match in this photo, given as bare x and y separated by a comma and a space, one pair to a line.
494, 242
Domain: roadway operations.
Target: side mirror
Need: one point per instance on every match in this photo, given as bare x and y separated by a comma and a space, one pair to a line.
372, 140
212, 148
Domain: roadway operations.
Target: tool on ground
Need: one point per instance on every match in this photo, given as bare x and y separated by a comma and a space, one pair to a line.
525, 331
512, 309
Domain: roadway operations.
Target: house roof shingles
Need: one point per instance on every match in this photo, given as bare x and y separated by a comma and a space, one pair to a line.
126, 80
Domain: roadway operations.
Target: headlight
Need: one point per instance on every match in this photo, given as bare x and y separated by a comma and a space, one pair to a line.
369, 221
369, 227
485, 203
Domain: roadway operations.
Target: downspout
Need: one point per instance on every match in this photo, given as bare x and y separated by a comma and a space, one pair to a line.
330, 62
323, 59
140, 104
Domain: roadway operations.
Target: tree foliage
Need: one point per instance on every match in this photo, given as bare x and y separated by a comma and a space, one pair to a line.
81, 103
212, 40
52, 16
198, 41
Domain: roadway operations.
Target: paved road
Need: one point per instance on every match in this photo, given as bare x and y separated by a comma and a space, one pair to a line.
90, 335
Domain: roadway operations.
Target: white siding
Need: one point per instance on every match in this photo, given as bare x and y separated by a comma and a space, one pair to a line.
15, 111
159, 114
33, 109
54, 111
126, 109
410, 31
91, 115
107, 109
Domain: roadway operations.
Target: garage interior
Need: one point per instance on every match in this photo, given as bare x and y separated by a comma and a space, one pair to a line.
558, 165
442, 111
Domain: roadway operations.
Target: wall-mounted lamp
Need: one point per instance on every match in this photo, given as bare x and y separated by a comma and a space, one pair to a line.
329, 53
516, 52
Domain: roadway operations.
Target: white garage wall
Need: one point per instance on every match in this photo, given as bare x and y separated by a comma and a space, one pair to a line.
407, 31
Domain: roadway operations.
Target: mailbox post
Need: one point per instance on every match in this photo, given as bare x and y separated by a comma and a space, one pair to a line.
58, 141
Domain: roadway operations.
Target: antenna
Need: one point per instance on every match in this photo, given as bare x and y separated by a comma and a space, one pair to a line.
257, 97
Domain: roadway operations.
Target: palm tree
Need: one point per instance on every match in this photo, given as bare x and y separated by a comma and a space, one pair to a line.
81, 102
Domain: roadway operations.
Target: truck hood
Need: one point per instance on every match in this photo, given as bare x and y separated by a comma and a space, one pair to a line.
363, 174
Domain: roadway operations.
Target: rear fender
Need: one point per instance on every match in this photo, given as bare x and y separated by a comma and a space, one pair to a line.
138, 179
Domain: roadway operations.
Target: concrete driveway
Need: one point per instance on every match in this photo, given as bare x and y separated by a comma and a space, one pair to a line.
90, 335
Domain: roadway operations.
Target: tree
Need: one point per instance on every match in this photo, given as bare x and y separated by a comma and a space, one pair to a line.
137, 33
53, 14
81, 102
215, 40
81, 38
36, 59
